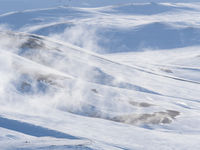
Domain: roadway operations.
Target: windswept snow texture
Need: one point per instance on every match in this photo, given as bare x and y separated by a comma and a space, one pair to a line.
99, 75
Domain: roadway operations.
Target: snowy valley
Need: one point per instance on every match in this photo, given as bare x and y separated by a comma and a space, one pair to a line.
110, 75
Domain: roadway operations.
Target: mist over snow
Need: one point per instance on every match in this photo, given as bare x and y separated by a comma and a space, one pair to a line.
99, 75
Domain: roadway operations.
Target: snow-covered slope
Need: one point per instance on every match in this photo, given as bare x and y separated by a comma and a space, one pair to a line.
19, 5
114, 77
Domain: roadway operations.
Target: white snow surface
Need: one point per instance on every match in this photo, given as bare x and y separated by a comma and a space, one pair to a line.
109, 75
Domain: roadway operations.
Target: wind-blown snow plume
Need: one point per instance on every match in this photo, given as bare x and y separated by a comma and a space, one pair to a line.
89, 75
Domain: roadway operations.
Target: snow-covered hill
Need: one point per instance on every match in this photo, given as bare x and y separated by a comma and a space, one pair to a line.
120, 76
